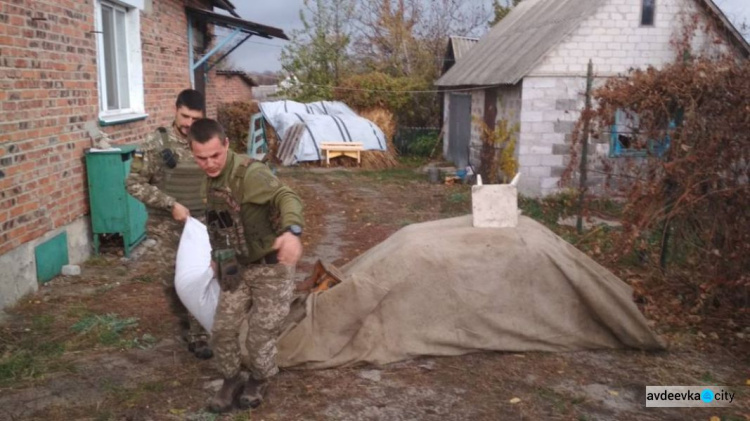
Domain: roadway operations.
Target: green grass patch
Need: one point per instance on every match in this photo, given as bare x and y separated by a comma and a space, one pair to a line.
143, 279
28, 360
97, 261
104, 330
457, 201
42, 323
146, 341
394, 175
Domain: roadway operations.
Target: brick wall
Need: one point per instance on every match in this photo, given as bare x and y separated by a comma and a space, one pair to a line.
48, 91
230, 88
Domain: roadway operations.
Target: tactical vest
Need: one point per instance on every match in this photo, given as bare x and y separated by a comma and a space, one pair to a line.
223, 218
184, 180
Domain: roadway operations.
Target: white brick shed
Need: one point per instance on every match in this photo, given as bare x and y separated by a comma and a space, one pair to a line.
530, 69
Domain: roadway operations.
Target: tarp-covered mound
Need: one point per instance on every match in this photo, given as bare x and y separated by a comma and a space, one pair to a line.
447, 288
303, 127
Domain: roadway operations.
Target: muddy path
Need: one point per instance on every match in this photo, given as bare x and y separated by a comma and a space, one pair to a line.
104, 346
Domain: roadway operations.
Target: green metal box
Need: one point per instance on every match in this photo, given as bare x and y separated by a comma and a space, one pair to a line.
113, 210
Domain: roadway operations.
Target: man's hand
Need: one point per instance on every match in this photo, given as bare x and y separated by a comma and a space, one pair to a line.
289, 248
180, 213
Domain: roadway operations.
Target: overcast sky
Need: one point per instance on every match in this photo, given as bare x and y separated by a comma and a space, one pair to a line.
259, 54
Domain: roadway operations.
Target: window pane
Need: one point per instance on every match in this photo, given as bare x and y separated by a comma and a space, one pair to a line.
647, 12
110, 69
122, 60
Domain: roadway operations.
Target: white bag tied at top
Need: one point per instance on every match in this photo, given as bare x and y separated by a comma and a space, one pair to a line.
194, 279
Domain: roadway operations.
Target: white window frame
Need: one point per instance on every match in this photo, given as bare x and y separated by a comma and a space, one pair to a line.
136, 110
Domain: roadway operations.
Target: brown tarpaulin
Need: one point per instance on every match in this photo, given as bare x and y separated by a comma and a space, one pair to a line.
447, 288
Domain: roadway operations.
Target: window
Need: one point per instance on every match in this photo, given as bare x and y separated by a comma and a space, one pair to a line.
647, 12
119, 61
627, 140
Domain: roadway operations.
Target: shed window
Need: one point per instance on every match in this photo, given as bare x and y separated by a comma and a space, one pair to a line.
647, 12
626, 138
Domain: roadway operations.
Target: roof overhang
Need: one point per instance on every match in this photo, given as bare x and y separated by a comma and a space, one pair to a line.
226, 5
242, 75
245, 26
734, 35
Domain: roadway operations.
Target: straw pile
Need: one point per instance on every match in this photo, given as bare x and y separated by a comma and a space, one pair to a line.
235, 118
378, 160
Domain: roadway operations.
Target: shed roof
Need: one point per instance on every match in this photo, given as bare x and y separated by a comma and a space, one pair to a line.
519, 42
461, 45
515, 45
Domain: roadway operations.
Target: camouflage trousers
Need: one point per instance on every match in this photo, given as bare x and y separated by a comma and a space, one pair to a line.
167, 232
253, 314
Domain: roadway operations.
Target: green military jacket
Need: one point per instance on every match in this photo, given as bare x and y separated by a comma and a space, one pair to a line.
263, 205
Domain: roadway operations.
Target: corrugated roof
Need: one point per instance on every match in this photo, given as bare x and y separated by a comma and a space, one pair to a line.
519, 42
462, 45
515, 45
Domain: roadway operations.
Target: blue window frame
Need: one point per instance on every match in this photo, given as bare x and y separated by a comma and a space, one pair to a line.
627, 141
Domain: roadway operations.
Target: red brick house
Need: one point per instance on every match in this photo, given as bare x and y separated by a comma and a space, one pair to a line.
233, 85
67, 64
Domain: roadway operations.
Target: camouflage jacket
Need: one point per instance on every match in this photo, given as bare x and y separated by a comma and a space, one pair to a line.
262, 205
146, 170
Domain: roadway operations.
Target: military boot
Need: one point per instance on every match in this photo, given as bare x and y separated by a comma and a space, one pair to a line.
200, 349
223, 400
253, 393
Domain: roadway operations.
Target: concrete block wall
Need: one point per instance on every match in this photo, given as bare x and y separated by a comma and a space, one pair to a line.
553, 93
549, 111
477, 116
616, 42
48, 91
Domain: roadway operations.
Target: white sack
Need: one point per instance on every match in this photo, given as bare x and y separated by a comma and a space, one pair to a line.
194, 279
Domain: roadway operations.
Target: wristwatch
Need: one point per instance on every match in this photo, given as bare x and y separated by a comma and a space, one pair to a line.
295, 229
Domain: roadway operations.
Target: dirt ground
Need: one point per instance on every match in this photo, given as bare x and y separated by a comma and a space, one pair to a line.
104, 345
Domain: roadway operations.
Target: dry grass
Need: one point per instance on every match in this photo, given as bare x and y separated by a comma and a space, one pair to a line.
377, 160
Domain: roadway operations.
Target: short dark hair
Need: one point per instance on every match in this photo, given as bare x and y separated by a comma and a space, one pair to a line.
191, 99
206, 129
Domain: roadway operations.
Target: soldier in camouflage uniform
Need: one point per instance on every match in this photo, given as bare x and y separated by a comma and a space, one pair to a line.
254, 223
166, 179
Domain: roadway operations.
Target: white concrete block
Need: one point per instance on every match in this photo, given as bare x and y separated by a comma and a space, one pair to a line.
550, 182
494, 206
552, 161
540, 172
531, 116
541, 149
529, 160
71, 270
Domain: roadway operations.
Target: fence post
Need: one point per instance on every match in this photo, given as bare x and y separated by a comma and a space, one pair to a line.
585, 146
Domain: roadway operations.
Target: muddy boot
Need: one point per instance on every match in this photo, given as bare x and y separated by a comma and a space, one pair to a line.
223, 400
253, 393
200, 349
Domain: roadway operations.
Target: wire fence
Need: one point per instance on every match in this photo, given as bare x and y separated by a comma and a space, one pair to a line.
416, 141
